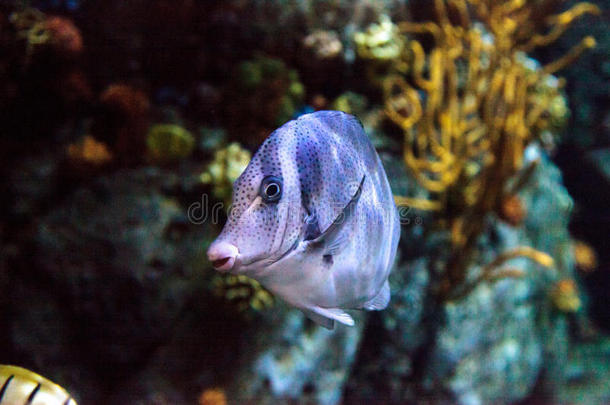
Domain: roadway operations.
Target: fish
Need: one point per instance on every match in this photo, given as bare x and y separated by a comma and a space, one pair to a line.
19, 386
313, 219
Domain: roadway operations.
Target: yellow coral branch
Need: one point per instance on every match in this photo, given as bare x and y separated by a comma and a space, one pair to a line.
417, 203
537, 256
570, 57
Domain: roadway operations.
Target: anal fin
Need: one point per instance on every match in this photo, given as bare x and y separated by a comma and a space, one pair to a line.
381, 300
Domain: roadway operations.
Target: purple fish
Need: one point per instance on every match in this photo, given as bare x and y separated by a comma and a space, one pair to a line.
314, 219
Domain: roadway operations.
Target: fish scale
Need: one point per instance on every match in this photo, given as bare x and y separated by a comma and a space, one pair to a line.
314, 219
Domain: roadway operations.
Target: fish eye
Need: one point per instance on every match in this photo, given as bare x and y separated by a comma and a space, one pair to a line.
271, 189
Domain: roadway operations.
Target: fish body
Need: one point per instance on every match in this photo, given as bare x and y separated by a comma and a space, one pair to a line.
19, 386
314, 219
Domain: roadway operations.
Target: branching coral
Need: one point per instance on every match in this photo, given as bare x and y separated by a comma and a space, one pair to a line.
474, 103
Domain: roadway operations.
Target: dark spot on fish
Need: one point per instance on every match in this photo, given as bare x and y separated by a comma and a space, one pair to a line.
328, 259
5, 386
33, 394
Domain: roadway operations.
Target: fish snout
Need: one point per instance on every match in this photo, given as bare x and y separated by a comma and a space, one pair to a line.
222, 255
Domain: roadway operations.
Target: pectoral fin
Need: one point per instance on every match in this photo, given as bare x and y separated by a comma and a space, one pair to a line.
332, 240
327, 316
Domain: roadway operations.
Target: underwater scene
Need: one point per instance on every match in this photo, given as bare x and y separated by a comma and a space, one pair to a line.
331, 202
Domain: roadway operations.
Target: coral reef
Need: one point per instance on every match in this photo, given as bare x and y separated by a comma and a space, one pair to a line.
168, 143
483, 105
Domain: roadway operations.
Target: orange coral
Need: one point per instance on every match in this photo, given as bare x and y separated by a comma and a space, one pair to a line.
124, 121
584, 256
212, 396
125, 100
512, 210
89, 152
564, 296
64, 36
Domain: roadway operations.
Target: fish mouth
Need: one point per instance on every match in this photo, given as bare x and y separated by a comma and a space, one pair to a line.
221, 262
222, 255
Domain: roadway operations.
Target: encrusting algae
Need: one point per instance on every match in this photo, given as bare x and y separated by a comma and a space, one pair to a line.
474, 102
